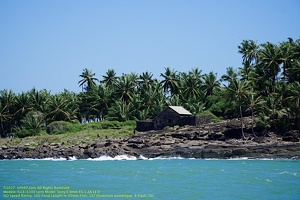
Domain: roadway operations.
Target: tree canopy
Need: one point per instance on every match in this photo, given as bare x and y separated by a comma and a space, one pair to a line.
265, 86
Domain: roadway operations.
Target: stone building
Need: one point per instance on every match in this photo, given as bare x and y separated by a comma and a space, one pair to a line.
172, 116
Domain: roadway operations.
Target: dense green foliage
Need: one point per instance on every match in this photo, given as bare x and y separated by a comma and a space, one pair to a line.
266, 87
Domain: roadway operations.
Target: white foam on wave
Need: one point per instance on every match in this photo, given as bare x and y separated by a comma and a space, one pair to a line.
128, 157
72, 158
107, 158
238, 158
166, 158
288, 173
55, 159
52, 159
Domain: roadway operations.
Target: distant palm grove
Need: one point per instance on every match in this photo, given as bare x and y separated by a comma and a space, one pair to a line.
266, 88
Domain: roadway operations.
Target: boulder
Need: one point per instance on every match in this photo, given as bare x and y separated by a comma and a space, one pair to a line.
291, 136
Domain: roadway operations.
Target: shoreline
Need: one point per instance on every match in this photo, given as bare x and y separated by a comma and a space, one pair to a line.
209, 141
133, 147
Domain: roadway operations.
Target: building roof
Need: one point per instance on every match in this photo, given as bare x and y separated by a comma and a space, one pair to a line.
180, 110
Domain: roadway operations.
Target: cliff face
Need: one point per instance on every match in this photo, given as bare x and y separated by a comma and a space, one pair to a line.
215, 140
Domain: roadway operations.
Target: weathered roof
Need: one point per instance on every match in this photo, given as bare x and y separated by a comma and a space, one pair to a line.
180, 110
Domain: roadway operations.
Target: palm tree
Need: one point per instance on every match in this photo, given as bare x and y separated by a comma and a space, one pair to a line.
190, 84
121, 111
33, 122
99, 101
230, 75
210, 83
23, 104
174, 100
151, 97
61, 108
288, 55
270, 59
274, 109
39, 99
294, 100
254, 104
7, 101
195, 106
4, 118
249, 50
146, 80
238, 91
170, 81
110, 78
125, 87
88, 79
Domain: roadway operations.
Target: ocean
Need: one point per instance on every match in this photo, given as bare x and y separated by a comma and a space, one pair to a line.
131, 178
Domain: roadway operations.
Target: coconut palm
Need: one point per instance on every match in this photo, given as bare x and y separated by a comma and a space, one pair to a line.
210, 83
230, 75
88, 80
152, 97
249, 51
237, 92
170, 81
61, 108
39, 99
121, 111
7, 100
146, 80
288, 56
125, 87
270, 59
33, 122
23, 104
195, 106
4, 118
191, 84
254, 104
294, 100
110, 78
273, 108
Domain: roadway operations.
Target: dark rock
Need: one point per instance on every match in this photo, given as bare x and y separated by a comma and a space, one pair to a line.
216, 136
291, 136
136, 141
83, 146
4, 147
238, 152
135, 145
233, 134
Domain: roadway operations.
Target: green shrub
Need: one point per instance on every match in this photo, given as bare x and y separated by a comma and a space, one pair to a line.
117, 124
21, 133
93, 126
59, 127
214, 118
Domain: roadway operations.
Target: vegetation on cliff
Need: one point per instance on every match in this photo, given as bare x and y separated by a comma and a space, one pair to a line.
266, 87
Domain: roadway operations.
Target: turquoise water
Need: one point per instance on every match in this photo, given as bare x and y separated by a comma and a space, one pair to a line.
150, 179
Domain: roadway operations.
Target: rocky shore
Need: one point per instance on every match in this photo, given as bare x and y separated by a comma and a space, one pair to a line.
215, 140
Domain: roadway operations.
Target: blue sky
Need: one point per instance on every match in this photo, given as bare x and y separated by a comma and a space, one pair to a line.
46, 44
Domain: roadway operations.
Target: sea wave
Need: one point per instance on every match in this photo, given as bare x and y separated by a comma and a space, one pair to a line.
119, 157
141, 157
52, 159
128, 157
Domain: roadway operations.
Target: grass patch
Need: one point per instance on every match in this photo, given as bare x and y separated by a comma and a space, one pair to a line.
73, 134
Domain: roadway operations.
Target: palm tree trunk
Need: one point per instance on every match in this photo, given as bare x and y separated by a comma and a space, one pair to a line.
2, 130
242, 125
252, 123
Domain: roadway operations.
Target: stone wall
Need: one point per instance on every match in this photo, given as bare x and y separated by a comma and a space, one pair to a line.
162, 122
202, 120
145, 125
166, 118
187, 120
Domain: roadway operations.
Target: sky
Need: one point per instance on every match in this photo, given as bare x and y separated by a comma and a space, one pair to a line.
47, 44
